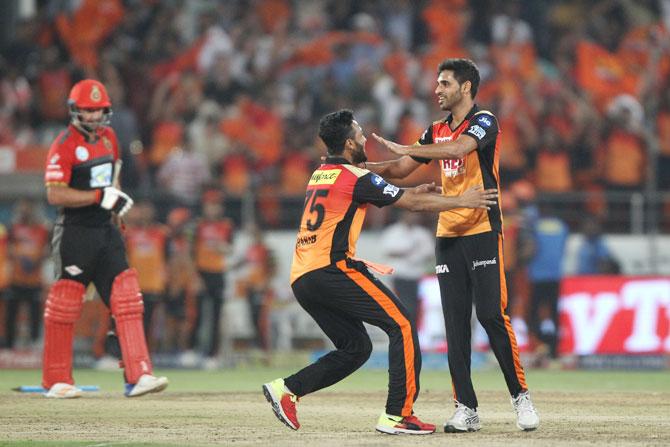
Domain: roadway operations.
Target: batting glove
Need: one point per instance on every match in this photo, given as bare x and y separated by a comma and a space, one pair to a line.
116, 200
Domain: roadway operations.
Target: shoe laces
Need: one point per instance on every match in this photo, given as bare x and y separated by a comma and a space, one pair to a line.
292, 397
523, 403
461, 408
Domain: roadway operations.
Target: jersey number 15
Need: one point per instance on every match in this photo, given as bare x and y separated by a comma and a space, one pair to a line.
315, 207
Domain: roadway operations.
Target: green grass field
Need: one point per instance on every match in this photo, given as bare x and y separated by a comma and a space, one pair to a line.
226, 407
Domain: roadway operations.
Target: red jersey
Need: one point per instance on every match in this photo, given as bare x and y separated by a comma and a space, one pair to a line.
75, 162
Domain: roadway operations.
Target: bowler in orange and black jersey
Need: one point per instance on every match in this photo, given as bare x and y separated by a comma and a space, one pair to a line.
340, 293
469, 253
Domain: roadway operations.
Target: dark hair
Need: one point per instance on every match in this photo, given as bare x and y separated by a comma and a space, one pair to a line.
335, 128
464, 70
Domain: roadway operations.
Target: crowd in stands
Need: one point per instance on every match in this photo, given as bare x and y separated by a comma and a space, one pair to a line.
231, 92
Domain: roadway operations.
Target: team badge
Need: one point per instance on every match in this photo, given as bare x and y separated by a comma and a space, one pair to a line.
107, 143
391, 190
81, 153
95, 94
377, 181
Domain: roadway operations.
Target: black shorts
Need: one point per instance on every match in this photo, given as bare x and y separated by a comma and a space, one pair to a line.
89, 254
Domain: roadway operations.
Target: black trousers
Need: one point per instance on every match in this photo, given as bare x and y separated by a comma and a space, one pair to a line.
471, 268
408, 291
17, 295
89, 254
544, 293
340, 298
214, 286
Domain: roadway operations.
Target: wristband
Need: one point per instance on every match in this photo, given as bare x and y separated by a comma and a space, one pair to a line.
98, 195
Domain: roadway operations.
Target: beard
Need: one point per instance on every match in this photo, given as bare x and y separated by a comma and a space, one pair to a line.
449, 101
359, 155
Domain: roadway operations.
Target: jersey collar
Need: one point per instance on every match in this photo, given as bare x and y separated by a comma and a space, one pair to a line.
335, 160
472, 111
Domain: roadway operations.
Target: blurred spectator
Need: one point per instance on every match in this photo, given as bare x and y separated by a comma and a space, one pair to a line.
213, 236
184, 174
623, 153
553, 170
53, 83
182, 282
4, 276
545, 271
146, 242
593, 257
663, 130
205, 136
410, 249
125, 123
255, 285
28, 247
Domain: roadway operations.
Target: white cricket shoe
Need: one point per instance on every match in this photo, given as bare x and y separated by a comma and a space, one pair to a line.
464, 419
527, 418
146, 384
62, 390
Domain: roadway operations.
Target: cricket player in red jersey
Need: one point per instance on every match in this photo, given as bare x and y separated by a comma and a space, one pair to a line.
88, 248
469, 251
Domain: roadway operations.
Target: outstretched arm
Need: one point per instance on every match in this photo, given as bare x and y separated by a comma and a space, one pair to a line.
457, 149
393, 169
417, 199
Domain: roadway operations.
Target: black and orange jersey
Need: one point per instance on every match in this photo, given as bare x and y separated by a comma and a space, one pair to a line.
28, 245
75, 162
211, 238
335, 205
479, 167
146, 247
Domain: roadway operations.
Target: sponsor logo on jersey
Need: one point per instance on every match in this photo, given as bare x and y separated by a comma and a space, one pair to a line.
442, 268
483, 263
477, 132
377, 181
101, 175
73, 270
305, 240
452, 167
54, 175
485, 121
443, 139
324, 177
391, 190
81, 153
107, 143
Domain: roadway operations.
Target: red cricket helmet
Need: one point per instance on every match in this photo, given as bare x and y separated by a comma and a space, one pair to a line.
85, 95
